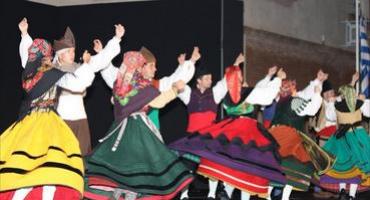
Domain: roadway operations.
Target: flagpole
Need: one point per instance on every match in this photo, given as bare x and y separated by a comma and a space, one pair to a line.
357, 45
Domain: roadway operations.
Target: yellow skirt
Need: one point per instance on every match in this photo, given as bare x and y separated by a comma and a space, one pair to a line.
40, 150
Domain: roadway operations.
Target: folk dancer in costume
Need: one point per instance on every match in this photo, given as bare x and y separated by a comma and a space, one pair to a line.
185, 72
71, 106
350, 144
202, 104
132, 161
300, 155
40, 156
237, 150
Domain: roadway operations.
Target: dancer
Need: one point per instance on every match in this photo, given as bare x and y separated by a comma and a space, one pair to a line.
132, 161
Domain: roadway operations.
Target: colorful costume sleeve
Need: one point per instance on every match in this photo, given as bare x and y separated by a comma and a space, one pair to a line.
163, 99
185, 95
183, 72
26, 42
79, 80
219, 90
109, 74
264, 92
104, 57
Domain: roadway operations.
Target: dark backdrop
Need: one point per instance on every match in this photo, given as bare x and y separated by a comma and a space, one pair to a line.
166, 27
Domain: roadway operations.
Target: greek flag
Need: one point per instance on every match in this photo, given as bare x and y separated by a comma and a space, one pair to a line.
364, 60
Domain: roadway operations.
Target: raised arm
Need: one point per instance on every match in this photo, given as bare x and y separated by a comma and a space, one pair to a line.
26, 41
185, 71
266, 89
220, 89
104, 56
309, 91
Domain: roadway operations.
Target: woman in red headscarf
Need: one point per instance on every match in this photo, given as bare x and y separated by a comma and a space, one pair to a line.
132, 161
238, 150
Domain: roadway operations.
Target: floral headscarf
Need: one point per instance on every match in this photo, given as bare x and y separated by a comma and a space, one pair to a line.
35, 69
128, 83
40, 48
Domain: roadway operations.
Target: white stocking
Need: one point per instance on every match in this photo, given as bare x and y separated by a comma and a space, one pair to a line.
245, 195
352, 190
48, 192
229, 189
22, 193
212, 188
286, 192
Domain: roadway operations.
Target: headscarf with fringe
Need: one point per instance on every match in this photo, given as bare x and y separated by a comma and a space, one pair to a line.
349, 94
130, 81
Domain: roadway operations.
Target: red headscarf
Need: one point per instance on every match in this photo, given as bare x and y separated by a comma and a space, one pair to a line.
234, 85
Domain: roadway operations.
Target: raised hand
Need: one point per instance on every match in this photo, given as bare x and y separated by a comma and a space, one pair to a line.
281, 74
98, 46
181, 58
23, 26
272, 70
86, 57
239, 59
120, 30
195, 56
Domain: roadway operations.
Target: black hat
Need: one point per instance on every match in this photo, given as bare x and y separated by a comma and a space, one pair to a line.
326, 86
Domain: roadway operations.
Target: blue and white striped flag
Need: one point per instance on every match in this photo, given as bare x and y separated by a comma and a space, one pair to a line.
364, 60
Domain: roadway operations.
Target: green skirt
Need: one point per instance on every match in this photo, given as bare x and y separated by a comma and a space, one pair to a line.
138, 162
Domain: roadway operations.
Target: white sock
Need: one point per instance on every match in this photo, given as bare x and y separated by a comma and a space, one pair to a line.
212, 188
352, 190
48, 192
229, 189
20, 194
184, 194
269, 193
342, 186
286, 192
245, 195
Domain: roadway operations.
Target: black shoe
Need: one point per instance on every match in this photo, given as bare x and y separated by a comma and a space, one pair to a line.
222, 195
210, 198
352, 198
185, 198
343, 195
